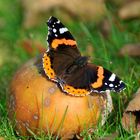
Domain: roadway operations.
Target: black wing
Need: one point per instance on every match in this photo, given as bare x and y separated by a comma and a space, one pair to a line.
62, 49
92, 78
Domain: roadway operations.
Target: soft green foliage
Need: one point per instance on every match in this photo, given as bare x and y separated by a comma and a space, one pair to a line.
105, 51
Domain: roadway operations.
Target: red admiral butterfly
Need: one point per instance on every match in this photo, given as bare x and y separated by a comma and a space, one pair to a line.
64, 64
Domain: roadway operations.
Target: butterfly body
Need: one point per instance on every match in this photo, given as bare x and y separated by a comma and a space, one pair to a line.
64, 64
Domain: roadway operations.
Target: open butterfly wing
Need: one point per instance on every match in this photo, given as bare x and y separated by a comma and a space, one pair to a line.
58, 34
62, 49
102, 79
63, 58
92, 78
76, 83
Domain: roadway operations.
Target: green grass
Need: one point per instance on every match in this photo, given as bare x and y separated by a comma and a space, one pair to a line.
105, 51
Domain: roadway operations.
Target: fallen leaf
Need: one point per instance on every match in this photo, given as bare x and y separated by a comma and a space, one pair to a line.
130, 50
131, 116
130, 10
31, 47
36, 11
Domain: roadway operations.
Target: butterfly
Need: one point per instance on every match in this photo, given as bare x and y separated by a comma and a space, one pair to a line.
64, 64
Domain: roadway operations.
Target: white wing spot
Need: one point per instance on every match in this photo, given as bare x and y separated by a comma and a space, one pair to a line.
54, 30
58, 21
121, 81
111, 85
105, 83
112, 77
56, 35
63, 30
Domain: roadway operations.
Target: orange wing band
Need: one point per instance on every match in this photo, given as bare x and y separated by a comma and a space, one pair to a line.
99, 81
75, 92
57, 42
47, 67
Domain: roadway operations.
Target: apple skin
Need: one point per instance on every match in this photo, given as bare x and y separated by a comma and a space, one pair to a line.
36, 103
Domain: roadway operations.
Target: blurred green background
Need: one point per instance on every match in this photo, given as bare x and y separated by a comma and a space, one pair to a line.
101, 28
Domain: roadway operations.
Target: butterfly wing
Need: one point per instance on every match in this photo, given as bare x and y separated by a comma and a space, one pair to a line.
62, 50
91, 78
59, 58
76, 83
59, 35
105, 80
